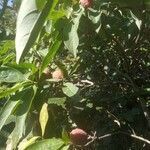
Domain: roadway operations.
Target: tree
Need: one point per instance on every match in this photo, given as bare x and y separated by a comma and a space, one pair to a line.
100, 53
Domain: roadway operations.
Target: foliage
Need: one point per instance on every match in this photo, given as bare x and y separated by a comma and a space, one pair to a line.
103, 53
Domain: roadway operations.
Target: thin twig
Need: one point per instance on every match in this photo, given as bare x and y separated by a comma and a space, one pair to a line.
116, 133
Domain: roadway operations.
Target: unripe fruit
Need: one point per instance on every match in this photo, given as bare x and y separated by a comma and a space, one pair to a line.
86, 3
78, 136
57, 74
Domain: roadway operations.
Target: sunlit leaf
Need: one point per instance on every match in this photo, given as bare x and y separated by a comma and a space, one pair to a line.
71, 39
70, 89
43, 118
26, 143
8, 91
29, 24
49, 144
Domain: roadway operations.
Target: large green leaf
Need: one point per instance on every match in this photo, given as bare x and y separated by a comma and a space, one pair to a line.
29, 23
10, 75
71, 39
49, 144
21, 113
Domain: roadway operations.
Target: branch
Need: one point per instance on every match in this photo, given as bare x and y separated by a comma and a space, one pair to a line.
93, 138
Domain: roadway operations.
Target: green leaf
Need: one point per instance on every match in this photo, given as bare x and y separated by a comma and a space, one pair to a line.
43, 118
29, 24
10, 75
65, 136
58, 101
40, 4
8, 108
66, 147
21, 113
51, 54
49, 144
55, 15
8, 91
7, 46
128, 3
70, 89
26, 143
71, 39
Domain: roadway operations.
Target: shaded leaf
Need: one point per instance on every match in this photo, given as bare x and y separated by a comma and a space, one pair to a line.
8, 108
40, 4
58, 101
21, 113
65, 136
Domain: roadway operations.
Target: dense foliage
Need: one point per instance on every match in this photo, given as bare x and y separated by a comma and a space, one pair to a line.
69, 64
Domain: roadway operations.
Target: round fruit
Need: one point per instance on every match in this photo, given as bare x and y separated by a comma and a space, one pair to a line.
86, 3
78, 136
57, 74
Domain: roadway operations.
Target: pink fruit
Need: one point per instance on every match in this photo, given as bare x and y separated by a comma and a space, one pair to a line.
57, 74
78, 136
86, 3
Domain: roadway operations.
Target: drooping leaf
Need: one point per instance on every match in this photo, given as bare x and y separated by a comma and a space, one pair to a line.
43, 118
58, 101
21, 113
10, 75
70, 89
71, 39
29, 23
51, 54
8, 108
49, 144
